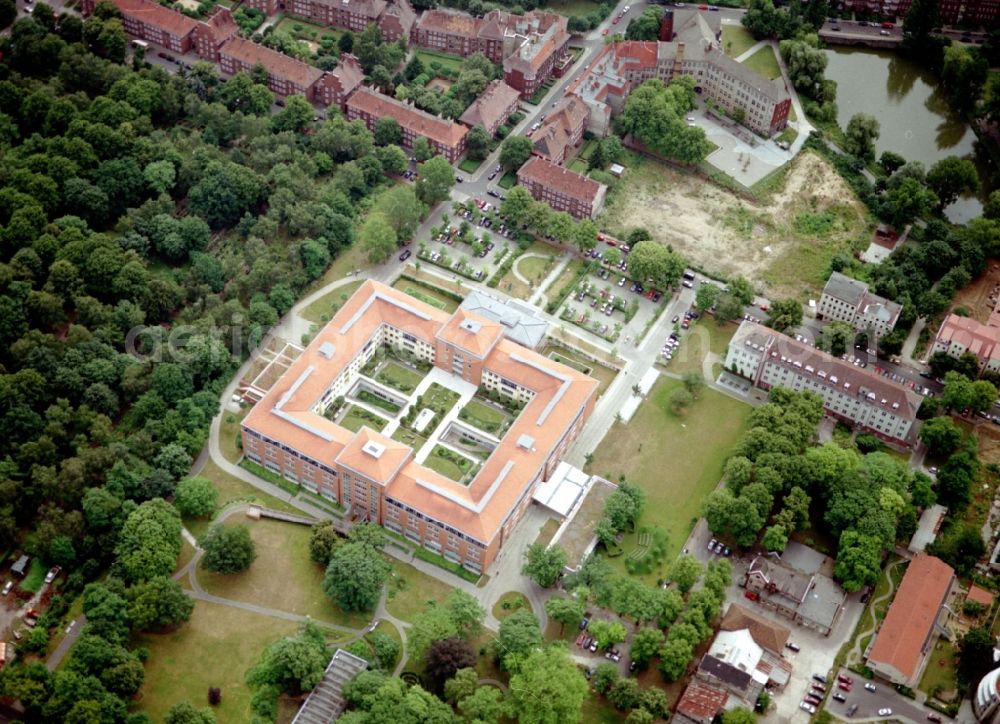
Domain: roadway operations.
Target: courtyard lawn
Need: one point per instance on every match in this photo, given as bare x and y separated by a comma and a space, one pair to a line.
483, 416
323, 309
440, 399
578, 166
399, 377
307, 31
604, 375
408, 437
452, 63
737, 40
532, 268
697, 342
282, 555
763, 63
676, 460
358, 417
410, 590
448, 463
571, 8
507, 180
941, 672
368, 397
214, 648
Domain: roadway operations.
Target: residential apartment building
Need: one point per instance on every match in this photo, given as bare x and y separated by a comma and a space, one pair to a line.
285, 75
950, 12
216, 29
150, 21
848, 300
492, 108
382, 480
986, 701
447, 138
337, 85
561, 189
913, 622
563, 130
695, 52
539, 42
852, 394
394, 18
959, 335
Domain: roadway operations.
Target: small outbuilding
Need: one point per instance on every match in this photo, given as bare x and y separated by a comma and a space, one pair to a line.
20, 567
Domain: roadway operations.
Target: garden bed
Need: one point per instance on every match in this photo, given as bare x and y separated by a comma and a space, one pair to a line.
450, 464
398, 377
358, 417
486, 417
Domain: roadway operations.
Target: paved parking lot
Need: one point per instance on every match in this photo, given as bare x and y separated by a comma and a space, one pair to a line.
456, 250
869, 703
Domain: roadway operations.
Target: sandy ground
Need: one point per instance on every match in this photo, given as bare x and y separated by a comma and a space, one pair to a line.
189, 4
976, 296
705, 223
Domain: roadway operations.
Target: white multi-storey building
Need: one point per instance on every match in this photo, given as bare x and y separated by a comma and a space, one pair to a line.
852, 394
848, 300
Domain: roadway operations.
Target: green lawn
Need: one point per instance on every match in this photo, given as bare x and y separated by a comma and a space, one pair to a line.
737, 40
696, 342
509, 603
214, 648
469, 165
530, 268
507, 180
483, 416
229, 435
447, 466
449, 62
410, 590
408, 437
307, 31
282, 577
357, 417
571, 8
578, 166
426, 293
399, 377
35, 577
320, 311
764, 63
440, 399
366, 396
604, 375
676, 460
230, 490
941, 670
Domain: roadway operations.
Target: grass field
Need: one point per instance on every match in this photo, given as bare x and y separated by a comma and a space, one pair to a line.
229, 433
941, 670
482, 416
439, 399
232, 489
764, 63
469, 165
568, 276
399, 377
410, 590
578, 166
357, 417
676, 460
446, 466
308, 31
533, 268
214, 648
509, 603
427, 295
408, 437
35, 577
282, 555
737, 40
571, 7
507, 180
703, 337
450, 62
320, 311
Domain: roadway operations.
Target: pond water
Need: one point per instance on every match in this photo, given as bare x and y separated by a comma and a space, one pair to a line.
913, 111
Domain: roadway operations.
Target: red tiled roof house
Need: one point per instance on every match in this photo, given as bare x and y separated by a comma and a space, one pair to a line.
561, 189
447, 138
492, 109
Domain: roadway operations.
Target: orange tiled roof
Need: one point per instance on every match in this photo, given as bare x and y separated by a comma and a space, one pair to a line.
155, 14
420, 122
277, 64
490, 107
221, 25
980, 596
912, 615
452, 22
286, 413
471, 332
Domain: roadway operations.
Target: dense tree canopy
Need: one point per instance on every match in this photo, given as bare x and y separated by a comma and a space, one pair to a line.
654, 113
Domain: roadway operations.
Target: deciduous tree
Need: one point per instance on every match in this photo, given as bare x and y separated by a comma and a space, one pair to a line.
228, 549
355, 576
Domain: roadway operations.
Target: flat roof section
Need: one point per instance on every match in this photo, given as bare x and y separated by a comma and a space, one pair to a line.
577, 534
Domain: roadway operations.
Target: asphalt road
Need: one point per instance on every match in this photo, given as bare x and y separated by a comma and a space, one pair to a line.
869, 703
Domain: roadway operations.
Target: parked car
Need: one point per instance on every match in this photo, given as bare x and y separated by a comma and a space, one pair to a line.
813, 699
711, 545
51, 575
791, 646
820, 678
885, 711
934, 717
843, 687
869, 686
405, 255
8, 587
593, 646
806, 706
839, 697
580, 639
584, 623
845, 679
851, 709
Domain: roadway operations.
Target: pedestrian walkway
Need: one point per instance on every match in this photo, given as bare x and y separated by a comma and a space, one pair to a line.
744, 56
540, 298
855, 657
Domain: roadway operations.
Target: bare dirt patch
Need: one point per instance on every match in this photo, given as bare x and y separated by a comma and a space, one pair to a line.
975, 296
783, 245
989, 443
440, 84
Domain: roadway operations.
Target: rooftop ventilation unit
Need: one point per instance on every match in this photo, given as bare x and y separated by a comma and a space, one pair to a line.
526, 442
374, 449
470, 326
327, 349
